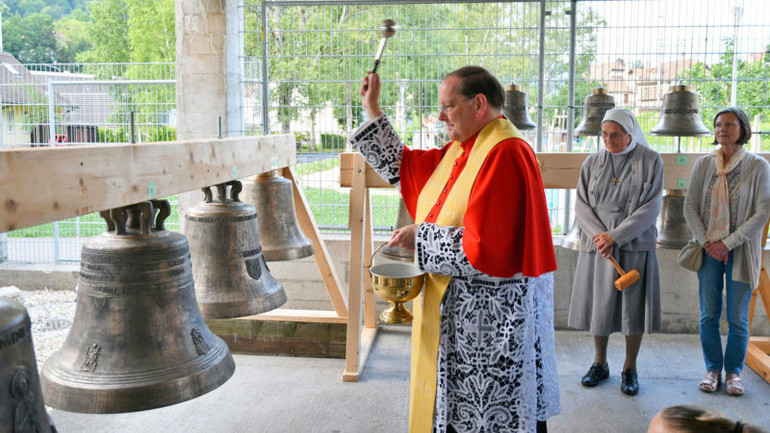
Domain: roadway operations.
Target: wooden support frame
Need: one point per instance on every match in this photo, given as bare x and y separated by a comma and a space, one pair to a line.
758, 351
40, 185
359, 338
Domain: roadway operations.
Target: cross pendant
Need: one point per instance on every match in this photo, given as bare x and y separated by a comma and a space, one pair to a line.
614, 181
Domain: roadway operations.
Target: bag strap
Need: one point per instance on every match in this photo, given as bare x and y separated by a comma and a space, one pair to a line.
751, 167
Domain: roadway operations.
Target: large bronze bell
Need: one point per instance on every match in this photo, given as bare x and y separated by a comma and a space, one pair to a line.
21, 400
138, 340
273, 196
229, 269
679, 114
672, 227
515, 108
399, 253
595, 106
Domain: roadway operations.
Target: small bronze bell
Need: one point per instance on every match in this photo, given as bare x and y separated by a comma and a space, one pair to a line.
679, 114
273, 197
229, 269
138, 340
516, 107
672, 226
21, 399
596, 105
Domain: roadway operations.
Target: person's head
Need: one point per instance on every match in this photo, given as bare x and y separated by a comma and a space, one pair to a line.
618, 128
696, 419
470, 97
731, 126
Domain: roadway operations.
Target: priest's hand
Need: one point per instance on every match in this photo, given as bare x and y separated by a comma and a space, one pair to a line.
404, 237
604, 243
370, 91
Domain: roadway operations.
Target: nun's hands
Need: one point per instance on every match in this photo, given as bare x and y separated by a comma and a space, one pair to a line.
604, 243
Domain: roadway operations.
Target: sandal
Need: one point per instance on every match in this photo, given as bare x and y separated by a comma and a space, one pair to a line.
733, 384
711, 382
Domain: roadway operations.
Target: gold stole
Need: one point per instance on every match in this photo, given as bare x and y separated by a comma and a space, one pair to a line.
427, 317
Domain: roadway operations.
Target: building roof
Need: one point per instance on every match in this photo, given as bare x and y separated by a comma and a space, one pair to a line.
19, 87
92, 102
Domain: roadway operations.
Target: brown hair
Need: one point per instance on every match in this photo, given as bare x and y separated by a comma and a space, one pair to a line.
697, 419
475, 80
743, 120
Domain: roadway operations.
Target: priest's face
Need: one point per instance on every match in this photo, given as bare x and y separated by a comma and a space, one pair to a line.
614, 137
456, 111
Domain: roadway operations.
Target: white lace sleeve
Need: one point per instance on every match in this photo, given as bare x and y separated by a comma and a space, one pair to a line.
378, 142
440, 251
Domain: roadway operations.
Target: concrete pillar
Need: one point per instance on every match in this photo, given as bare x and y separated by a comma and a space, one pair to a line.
208, 74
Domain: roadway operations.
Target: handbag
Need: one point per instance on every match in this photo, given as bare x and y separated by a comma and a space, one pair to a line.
691, 256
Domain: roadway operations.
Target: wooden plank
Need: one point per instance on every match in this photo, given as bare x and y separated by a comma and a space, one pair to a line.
763, 343
291, 315
758, 360
347, 160
308, 225
44, 184
558, 170
290, 338
370, 319
358, 202
368, 336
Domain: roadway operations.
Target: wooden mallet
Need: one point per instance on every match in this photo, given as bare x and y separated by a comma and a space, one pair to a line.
626, 278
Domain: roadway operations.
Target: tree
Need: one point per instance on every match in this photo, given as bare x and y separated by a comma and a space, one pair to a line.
70, 33
107, 32
307, 73
30, 39
713, 83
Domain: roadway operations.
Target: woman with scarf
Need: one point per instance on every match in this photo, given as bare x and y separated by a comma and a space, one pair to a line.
618, 202
726, 207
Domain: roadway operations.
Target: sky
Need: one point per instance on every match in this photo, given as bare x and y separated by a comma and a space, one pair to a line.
655, 31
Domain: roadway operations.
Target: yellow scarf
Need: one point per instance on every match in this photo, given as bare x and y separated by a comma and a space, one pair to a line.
427, 317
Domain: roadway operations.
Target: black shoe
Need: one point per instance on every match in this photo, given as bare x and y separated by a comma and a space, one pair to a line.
596, 374
629, 383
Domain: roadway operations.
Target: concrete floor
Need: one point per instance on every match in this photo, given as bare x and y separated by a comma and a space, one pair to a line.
281, 394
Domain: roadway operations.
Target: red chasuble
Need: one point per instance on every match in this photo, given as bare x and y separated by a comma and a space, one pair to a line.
507, 229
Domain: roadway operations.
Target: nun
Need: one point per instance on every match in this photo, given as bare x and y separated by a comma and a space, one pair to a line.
618, 202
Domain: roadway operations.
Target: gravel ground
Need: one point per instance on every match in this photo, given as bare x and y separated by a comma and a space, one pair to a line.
51, 313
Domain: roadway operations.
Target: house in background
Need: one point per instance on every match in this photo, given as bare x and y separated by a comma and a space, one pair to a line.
26, 107
636, 87
91, 104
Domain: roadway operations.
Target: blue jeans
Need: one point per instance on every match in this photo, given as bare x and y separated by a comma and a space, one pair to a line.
711, 278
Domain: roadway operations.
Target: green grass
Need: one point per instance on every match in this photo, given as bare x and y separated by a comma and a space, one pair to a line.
314, 167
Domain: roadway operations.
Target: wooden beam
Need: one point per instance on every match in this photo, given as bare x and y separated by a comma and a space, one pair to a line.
558, 170
44, 184
308, 225
292, 337
758, 359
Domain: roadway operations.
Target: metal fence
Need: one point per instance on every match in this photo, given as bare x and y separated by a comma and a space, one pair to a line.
303, 62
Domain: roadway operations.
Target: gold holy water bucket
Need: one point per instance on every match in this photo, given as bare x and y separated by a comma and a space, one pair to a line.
396, 283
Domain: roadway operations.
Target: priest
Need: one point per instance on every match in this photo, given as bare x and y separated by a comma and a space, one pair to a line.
483, 356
